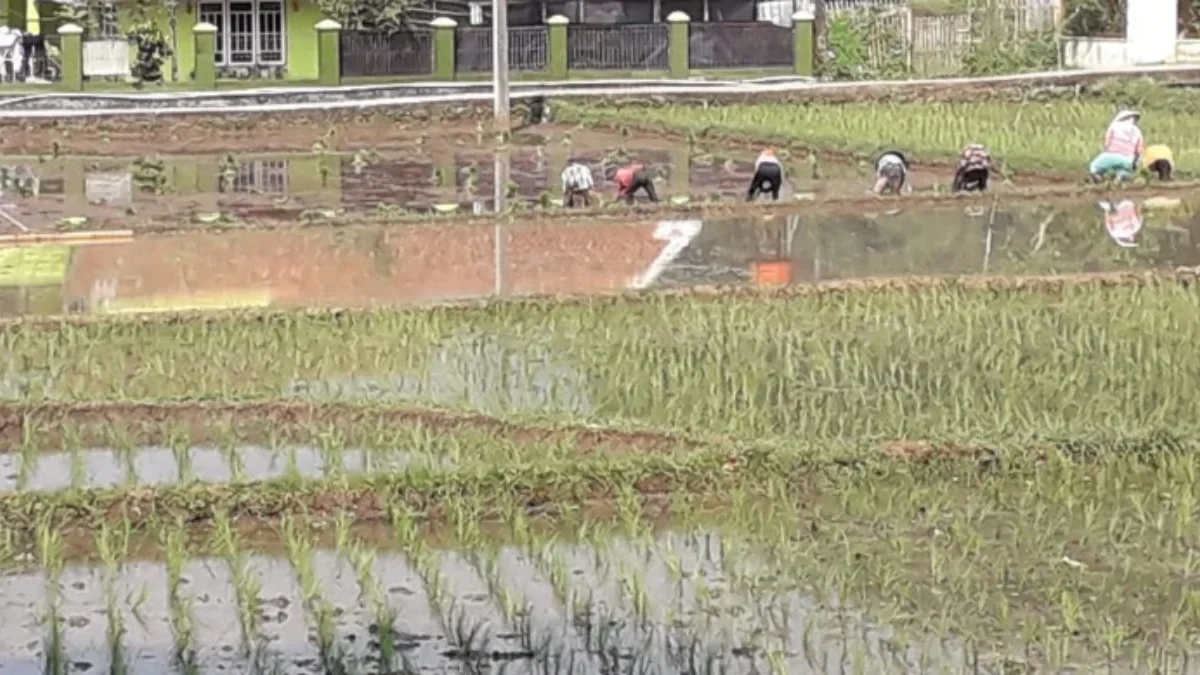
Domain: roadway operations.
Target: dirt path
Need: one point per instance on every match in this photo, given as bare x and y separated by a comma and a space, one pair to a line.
148, 424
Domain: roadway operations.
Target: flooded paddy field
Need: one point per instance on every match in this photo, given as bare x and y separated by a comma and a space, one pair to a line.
431, 175
380, 266
919, 570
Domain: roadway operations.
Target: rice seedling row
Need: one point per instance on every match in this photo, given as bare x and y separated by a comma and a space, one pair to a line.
1024, 136
955, 364
923, 566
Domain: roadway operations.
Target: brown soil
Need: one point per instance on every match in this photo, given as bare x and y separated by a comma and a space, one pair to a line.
202, 131
853, 200
394, 130
201, 419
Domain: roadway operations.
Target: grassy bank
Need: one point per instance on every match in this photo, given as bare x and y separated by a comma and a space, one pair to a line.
952, 362
1058, 135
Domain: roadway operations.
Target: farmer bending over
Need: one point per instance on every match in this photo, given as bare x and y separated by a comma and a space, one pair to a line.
974, 168
891, 172
768, 176
577, 182
1123, 146
631, 178
1160, 161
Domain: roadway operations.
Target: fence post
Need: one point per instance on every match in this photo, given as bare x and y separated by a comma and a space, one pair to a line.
329, 53
556, 46
72, 56
677, 45
206, 65
443, 47
802, 42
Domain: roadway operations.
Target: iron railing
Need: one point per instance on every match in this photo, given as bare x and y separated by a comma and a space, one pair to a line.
756, 44
617, 47
408, 52
527, 48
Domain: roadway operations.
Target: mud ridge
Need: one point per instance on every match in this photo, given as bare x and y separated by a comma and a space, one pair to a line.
819, 205
46, 421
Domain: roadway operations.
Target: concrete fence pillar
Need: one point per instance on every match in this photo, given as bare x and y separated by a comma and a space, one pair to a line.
206, 48
677, 45
1150, 32
71, 47
803, 42
556, 46
329, 53
444, 47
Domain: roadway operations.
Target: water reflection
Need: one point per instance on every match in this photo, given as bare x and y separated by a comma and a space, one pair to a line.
1123, 221
379, 266
286, 186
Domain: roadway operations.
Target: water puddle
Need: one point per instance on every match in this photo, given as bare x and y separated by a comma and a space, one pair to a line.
664, 602
94, 468
313, 186
380, 266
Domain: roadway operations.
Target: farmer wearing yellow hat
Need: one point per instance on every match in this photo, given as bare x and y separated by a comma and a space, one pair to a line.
768, 176
1159, 160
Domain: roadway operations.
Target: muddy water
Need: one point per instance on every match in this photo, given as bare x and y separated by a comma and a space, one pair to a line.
305, 186
379, 266
92, 468
567, 608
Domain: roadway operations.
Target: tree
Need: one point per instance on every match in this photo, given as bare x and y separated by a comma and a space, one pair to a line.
385, 16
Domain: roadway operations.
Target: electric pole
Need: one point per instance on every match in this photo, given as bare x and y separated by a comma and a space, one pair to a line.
500, 66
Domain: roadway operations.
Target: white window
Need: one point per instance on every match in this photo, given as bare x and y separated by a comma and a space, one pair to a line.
249, 32
108, 27
262, 177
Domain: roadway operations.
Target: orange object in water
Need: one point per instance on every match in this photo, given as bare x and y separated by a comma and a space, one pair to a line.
773, 273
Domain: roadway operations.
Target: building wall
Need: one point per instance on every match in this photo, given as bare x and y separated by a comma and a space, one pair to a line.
1099, 53
301, 39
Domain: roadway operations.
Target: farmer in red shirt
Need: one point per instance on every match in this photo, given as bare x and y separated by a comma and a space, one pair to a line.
631, 178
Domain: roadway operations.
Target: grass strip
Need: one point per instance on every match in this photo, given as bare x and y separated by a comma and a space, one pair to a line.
127, 425
978, 361
1028, 136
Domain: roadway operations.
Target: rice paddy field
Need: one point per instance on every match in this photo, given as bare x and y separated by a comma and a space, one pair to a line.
1036, 132
840, 435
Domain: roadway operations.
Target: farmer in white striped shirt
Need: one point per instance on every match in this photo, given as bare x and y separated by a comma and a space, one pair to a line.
577, 182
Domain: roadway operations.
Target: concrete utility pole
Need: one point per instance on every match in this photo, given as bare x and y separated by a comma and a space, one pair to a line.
500, 65
500, 234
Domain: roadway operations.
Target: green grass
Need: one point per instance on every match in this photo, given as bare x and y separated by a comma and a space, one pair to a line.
952, 363
1058, 135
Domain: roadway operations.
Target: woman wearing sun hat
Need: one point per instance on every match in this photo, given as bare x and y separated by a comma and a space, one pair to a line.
1124, 145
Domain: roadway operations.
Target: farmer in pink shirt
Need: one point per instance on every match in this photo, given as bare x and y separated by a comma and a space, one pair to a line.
1123, 147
